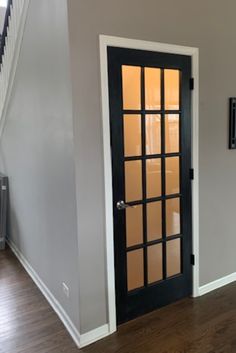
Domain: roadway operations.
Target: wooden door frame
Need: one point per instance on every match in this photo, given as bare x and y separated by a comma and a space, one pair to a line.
106, 41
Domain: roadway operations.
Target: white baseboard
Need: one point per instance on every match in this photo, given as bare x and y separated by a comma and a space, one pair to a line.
94, 335
81, 340
217, 284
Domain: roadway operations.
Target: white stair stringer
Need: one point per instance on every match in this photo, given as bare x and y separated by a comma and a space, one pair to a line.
17, 19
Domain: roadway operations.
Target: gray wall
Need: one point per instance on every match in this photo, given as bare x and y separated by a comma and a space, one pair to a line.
37, 152
209, 25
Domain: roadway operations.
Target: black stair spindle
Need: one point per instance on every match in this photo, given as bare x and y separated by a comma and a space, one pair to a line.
4, 32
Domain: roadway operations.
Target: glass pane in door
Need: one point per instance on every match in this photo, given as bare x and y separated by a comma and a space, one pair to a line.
152, 88
131, 83
173, 255
155, 269
172, 91
171, 133
133, 180
173, 216
154, 220
153, 177
135, 272
132, 135
153, 134
134, 225
172, 175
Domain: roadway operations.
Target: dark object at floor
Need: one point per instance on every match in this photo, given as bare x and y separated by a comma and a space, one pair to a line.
3, 209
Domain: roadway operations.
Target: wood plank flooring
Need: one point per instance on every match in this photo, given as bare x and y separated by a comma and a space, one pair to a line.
27, 322
29, 325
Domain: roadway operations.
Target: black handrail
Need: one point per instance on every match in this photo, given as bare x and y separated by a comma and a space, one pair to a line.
4, 32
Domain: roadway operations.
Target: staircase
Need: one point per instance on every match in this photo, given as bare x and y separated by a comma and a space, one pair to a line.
11, 39
5, 29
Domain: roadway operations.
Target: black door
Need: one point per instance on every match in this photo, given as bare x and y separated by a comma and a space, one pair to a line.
150, 119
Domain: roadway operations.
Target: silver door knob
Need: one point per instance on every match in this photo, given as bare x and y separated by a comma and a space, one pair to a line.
121, 205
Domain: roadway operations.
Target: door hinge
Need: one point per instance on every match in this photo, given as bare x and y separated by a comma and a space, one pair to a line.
192, 259
191, 84
191, 173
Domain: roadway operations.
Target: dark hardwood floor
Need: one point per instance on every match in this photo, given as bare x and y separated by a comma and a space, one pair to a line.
27, 322
29, 325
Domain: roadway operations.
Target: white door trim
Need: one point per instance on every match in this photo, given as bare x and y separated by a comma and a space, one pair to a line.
106, 41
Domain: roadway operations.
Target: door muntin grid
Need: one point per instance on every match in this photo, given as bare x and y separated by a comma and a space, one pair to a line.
155, 182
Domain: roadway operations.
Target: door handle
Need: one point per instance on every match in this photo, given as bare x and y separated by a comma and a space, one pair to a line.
121, 205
